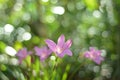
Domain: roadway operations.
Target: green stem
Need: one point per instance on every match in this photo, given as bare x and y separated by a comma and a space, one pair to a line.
53, 70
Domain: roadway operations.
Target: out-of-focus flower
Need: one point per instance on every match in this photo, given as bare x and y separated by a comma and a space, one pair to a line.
94, 55
61, 48
22, 54
43, 53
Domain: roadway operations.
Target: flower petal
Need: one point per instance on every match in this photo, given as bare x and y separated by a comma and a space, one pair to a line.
98, 52
87, 55
61, 41
20, 60
68, 44
61, 55
38, 51
19, 54
97, 60
51, 44
92, 49
22, 53
68, 52
30, 52
49, 51
42, 58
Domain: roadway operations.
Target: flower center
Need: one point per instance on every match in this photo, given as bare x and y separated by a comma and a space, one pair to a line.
59, 50
43, 54
92, 56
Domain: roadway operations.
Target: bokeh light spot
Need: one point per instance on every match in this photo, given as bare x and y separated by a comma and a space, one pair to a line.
17, 6
52, 57
54, 1
103, 53
97, 14
2, 58
45, 0
50, 19
10, 51
26, 36
91, 31
58, 10
14, 61
8, 28
26, 17
96, 69
1, 30
105, 34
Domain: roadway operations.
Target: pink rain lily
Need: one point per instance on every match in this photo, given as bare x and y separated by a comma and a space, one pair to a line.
22, 54
43, 53
61, 48
94, 55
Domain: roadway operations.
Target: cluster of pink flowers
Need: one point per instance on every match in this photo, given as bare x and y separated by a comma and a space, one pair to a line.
94, 55
60, 49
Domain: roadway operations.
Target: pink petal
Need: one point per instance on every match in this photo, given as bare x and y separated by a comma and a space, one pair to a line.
51, 45
87, 55
19, 53
30, 52
98, 52
68, 44
98, 59
22, 53
20, 60
49, 51
38, 51
42, 58
61, 55
68, 52
46, 50
92, 49
61, 40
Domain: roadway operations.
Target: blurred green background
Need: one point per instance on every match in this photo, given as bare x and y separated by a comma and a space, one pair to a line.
27, 23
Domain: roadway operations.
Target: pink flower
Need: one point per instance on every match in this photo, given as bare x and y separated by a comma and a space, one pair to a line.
43, 53
22, 54
94, 55
61, 48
